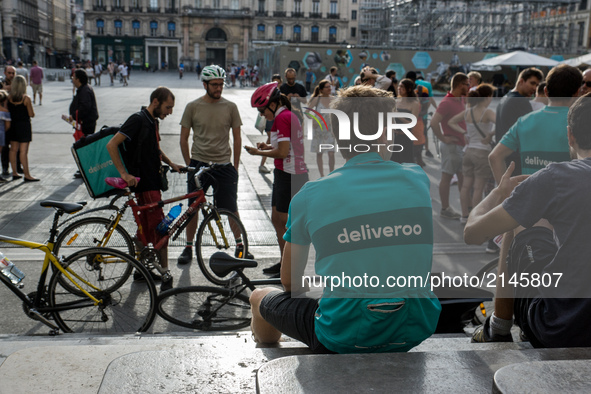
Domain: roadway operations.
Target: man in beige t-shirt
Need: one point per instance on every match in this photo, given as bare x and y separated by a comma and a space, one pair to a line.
212, 117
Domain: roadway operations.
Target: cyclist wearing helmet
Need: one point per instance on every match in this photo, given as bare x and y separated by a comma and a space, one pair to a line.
287, 148
212, 117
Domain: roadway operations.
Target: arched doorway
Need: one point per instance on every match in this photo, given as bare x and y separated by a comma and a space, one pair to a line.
215, 51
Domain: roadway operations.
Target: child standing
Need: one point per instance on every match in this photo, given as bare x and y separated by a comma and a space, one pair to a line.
4, 122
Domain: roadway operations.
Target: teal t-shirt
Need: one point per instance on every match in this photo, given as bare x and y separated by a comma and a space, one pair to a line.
540, 137
371, 218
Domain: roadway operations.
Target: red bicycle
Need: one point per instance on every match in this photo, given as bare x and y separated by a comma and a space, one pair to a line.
219, 230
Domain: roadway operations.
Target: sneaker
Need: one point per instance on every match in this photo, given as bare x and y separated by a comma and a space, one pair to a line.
264, 170
273, 270
464, 219
5, 173
186, 257
449, 213
2, 180
480, 335
138, 277
429, 154
492, 247
166, 282
454, 180
239, 253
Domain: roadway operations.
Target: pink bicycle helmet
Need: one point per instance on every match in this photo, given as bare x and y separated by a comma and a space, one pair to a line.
264, 95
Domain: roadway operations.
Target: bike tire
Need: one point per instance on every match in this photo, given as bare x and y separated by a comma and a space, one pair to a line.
126, 307
204, 308
208, 242
485, 309
83, 234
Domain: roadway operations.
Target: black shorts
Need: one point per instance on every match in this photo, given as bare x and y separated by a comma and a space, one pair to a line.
224, 180
532, 250
285, 186
294, 317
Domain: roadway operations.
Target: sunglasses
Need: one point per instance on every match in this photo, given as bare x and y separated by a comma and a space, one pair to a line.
588, 84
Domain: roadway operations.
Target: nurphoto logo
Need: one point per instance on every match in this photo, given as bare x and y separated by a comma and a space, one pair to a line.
344, 129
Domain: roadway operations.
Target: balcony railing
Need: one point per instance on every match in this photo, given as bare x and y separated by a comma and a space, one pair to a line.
117, 8
171, 10
99, 8
280, 14
261, 13
217, 13
297, 14
155, 10
315, 15
333, 16
135, 9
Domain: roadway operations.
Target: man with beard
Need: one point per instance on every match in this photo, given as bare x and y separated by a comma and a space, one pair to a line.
143, 159
212, 117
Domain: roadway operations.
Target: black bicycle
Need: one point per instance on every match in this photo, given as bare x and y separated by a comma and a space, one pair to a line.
213, 308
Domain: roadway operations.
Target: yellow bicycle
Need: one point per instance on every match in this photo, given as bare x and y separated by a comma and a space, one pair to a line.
88, 291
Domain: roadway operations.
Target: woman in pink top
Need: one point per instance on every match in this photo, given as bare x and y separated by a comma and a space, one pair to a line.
287, 148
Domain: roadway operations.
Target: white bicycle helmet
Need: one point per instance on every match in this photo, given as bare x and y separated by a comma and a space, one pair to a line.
212, 72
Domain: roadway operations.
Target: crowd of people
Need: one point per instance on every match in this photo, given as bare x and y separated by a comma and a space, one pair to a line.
526, 146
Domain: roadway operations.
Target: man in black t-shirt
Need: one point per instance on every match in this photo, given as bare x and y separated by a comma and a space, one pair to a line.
143, 159
514, 105
295, 92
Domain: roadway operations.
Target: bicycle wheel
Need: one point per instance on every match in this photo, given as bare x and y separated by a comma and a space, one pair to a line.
213, 236
123, 307
204, 308
486, 308
93, 232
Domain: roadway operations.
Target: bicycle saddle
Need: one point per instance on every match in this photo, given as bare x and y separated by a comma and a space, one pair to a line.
67, 207
222, 263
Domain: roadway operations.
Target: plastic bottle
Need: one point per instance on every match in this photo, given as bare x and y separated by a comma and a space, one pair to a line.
8, 269
172, 214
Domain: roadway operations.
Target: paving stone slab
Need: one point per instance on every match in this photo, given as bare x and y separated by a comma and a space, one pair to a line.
418, 372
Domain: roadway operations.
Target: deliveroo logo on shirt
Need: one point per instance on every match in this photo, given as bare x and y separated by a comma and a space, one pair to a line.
398, 227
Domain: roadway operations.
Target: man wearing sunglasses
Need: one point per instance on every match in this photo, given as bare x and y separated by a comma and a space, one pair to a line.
212, 117
586, 87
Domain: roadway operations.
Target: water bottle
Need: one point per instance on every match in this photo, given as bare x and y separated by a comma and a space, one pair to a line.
166, 222
8, 269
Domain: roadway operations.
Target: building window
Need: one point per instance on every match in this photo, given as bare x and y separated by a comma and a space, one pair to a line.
118, 26
117, 4
217, 4
354, 15
297, 33
332, 34
353, 32
100, 3
581, 39
153, 3
198, 4
261, 32
261, 5
314, 36
279, 32
333, 7
100, 27
354, 1
297, 6
135, 25
235, 4
135, 4
279, 5
316, 7
153, 28
171, 29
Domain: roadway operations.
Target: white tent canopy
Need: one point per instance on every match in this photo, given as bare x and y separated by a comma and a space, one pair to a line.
584, 60
517, 58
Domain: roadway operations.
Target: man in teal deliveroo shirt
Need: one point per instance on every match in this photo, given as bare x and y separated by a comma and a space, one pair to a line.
370, 221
